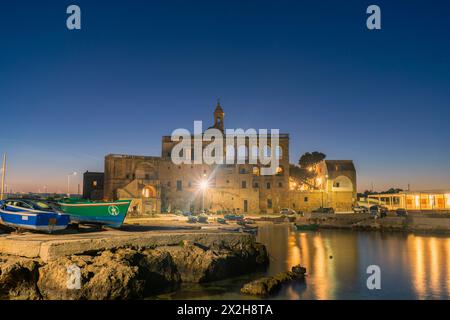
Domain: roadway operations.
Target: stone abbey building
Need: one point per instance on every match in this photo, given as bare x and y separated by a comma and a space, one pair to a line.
156, 184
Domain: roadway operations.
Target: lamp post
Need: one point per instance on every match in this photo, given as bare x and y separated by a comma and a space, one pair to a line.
3, 177
203, 187
68, 182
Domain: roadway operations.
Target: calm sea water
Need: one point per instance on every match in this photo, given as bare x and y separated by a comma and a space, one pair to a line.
412, 266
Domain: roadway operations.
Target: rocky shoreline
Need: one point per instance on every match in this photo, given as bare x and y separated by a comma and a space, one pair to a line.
128, 272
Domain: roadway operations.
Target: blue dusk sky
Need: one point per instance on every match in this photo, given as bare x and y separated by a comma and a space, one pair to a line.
139, 69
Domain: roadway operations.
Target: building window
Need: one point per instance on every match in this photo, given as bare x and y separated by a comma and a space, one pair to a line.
228, 181
147, 176
179, 185
242, 171
94, 183
244, 184
269, 203
280, 184
256, 171
190, 184
278, 152
168, 154
293, 205
305, 199
168, 184
280, 171
268, 185
256, 185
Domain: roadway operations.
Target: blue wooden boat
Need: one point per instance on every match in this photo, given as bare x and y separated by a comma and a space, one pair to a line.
32, 215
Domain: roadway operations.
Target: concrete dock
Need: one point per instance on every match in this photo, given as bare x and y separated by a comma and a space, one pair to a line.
52, 246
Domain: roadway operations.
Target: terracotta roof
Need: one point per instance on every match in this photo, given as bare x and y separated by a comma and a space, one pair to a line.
340, 165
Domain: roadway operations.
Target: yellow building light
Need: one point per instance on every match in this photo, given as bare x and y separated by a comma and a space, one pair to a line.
417, 201
447, 197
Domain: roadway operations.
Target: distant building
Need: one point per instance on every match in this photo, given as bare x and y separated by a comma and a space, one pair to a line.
434, 200
93, 185
335, 187
156, 184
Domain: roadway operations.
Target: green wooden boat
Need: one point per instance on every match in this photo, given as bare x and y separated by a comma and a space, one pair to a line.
307, 227
110, 213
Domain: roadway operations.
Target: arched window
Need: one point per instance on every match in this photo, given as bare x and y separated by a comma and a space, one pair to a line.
149, 192
280, 170
230, 154
254, 154
266, 151
278, 152
242, 153
256, 171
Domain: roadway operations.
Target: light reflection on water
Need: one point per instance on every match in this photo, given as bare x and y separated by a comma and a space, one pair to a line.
412, 266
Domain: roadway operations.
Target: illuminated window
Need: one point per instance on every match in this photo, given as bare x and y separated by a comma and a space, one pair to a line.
148, 192
256, 171
280, 170
94, 183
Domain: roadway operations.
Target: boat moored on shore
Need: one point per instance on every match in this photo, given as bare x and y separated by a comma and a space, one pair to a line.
109, 213
32, 215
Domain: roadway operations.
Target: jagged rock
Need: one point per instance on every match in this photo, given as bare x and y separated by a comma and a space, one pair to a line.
158, 270
127, 273
18, 277
197, 264
268, 285
108, 276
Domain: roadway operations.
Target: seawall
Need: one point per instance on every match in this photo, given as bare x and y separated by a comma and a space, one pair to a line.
121, 265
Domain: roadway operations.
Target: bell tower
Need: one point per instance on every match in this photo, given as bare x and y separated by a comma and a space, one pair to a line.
218, 116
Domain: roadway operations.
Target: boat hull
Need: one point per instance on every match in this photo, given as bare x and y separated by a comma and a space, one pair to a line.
47, 222
89, 212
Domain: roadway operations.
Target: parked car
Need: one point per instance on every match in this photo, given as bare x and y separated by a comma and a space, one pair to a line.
323, 210
378, 211
287, 211
400, 212
360, 209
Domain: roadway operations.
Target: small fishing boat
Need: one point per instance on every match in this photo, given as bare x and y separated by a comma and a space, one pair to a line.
249, 221
250, 230
192, 219
202, 218
307, 227
32, 215
233, 217
110, 213
221, 221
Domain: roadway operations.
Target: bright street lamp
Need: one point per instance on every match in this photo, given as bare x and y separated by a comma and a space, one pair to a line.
203, 187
